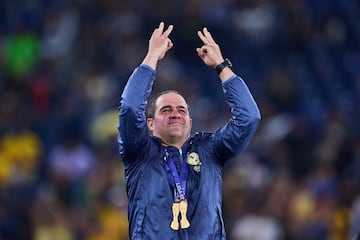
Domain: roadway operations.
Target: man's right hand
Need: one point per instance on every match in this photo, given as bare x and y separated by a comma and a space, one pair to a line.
159, 44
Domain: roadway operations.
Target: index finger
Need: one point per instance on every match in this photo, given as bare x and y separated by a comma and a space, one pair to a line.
159, 29
168, 31
202, 37
208, 35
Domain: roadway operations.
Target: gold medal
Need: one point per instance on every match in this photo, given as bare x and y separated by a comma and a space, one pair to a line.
184, 222
175, 210
179, 208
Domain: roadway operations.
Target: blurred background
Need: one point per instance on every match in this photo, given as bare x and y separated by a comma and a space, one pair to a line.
63, 67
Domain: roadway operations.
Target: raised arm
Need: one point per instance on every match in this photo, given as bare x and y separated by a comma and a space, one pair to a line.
237, 133
133, 132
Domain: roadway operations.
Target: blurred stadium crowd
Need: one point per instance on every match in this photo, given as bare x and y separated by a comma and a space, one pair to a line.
64, 64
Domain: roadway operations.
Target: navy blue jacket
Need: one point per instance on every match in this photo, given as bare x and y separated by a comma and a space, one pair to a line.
149, 189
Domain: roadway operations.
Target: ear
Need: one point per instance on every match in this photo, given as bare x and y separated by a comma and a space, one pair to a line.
150, 124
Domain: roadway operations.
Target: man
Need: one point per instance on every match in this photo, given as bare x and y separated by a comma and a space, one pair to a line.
173, 179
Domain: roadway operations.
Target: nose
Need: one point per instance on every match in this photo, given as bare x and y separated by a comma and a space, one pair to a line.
175, 114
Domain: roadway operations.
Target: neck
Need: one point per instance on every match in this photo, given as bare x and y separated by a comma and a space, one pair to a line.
174, 144
172, 141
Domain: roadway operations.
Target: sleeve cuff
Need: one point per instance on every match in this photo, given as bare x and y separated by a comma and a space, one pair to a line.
143, 65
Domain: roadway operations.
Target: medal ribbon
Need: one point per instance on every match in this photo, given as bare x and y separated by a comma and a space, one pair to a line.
178, 181
180, 205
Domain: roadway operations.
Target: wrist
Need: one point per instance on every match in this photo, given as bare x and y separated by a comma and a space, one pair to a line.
224, 64
151, 61
152, 57
219, 61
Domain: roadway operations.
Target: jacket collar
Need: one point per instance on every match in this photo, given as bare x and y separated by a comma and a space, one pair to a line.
184, 147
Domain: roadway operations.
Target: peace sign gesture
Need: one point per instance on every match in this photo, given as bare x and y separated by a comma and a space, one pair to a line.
159, 44
211, 54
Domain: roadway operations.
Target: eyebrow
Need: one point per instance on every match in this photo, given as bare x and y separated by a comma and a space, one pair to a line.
169, 106
181, 107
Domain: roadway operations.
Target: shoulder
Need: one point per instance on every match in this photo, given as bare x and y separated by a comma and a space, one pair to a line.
202, 135
142, 152
202, 138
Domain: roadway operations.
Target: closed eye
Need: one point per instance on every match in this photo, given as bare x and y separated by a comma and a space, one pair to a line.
165, 109
182, 109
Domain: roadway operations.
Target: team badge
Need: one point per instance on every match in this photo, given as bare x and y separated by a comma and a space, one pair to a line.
194, 160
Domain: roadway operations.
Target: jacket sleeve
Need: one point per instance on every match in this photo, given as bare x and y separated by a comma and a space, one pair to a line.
133, 132
233, 138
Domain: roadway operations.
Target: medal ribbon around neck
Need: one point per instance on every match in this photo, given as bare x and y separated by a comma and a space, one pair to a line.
180, 204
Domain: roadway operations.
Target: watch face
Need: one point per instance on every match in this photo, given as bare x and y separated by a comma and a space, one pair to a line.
228, 63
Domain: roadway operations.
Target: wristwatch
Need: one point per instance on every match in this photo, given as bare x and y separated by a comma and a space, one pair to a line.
221, 66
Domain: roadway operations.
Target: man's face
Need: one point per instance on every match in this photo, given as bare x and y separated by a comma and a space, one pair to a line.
171, 121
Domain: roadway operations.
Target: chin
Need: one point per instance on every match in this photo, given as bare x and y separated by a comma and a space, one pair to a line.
175, 134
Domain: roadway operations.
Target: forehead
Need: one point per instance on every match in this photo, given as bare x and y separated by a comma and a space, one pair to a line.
170, 99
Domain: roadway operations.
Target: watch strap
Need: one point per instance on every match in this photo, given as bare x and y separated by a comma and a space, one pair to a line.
221, 66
